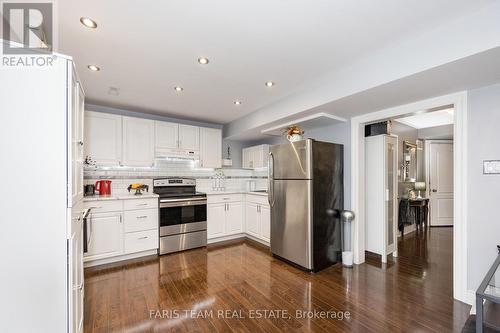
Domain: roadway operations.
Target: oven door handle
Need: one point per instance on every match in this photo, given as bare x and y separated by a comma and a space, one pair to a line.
165, 203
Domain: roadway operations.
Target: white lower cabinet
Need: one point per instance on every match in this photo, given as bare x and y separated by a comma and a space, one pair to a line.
105, 235
236, 214
234, 218
216, 220
258, 218
76, 287
118, 228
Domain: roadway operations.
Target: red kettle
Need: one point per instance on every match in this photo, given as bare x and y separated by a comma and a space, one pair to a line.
103, 187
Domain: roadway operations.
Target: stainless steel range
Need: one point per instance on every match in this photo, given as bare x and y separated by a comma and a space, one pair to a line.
183, 214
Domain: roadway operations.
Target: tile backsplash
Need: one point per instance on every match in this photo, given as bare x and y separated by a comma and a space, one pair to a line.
235, 179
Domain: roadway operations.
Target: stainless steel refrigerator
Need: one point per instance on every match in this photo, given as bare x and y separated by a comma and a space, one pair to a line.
306, 195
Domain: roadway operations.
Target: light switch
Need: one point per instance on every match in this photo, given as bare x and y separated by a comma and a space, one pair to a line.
491, 167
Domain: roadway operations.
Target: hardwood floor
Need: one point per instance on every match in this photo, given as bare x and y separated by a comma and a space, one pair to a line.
412, 293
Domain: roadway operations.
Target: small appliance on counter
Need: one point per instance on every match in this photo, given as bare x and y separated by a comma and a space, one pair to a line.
138, 188
89, 190
103, 187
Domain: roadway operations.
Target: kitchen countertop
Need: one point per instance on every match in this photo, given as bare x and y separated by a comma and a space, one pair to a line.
236, 192
122, 196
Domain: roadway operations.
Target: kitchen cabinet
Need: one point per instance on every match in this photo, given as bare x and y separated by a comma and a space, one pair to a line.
138, 141
252, 220
106, 235
166, 135
103, 138
189, 137
210, 147
75, 269
234, 218
258, 218
173, 139
119, 228
75, 165
216, 220
224, 215
255, 157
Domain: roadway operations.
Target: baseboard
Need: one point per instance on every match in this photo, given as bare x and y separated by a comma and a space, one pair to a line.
225, 238
119, 258
471, 300
255, 239
411, 228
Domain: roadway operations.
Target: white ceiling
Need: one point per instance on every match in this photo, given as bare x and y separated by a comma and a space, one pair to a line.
145, 48
429, 119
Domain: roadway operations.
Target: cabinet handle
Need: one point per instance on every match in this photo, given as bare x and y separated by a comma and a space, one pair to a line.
145, 237
80, 143
142, 217
143, 204
120, 219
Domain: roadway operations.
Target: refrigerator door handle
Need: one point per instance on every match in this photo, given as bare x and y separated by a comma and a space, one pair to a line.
270, 179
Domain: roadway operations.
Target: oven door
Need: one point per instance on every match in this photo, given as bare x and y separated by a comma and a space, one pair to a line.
182, 215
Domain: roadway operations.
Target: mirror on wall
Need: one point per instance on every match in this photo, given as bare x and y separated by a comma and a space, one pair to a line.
409, 167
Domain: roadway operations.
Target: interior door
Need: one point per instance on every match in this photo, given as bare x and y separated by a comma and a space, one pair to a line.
441, 183
291, 221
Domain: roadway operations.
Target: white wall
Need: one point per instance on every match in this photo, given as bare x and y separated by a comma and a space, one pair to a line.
483, 190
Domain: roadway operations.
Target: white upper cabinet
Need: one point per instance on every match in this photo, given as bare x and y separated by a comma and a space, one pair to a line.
189, 137
138, 142
210, 147
76, 105
255, 157
167, 135
103, 138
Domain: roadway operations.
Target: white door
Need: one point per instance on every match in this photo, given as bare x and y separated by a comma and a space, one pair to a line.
234, 218
216, 220
391, 187
265, 223
138, 141
167, 135
103, 138
210, 147
106, 236
252, 219
441, 182
189, 137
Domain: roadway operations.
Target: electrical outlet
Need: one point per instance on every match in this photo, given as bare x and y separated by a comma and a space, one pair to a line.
491, 167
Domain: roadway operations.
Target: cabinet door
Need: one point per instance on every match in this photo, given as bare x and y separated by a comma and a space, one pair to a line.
265, 223
234, 218
189, 137
252, 223
245, 160
216, 220
138, 142
105, 236
103, 138
76, 279
166, 135
75, 164
211, 147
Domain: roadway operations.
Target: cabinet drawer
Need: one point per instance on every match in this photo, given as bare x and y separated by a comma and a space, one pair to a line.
140, 220
141, 241
221, 198
140, 204
258, 199
104, 206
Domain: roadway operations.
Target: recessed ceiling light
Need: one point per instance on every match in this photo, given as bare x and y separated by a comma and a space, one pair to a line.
93, 68
269, 83
178, 89
114, 91
203, 61
237, 102
88, 22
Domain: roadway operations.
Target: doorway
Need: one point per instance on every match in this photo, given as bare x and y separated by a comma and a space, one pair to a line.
458, 102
